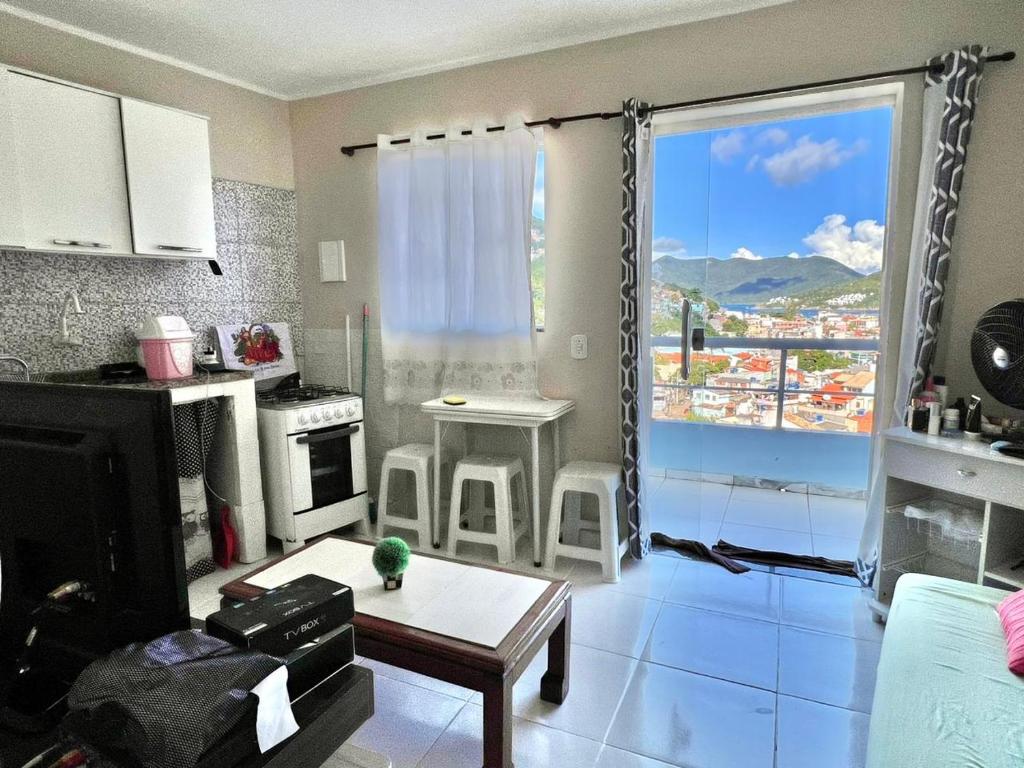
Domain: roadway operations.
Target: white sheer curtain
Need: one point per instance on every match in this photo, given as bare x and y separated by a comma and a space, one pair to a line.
454, 263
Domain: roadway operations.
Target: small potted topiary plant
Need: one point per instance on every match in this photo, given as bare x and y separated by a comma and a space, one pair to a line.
391, 558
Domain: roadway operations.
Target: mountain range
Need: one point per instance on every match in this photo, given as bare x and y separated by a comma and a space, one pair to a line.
752, 281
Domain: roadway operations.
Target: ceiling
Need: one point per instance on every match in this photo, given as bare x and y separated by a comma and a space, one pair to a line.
291, 49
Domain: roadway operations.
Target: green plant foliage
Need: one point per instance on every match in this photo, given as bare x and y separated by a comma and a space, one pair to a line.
391, 556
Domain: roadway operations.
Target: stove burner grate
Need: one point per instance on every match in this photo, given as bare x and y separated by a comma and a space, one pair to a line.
300, 394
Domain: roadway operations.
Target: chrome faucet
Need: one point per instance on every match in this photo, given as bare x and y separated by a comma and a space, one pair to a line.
71, 305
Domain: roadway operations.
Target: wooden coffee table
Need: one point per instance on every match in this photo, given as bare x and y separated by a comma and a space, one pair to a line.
471, 625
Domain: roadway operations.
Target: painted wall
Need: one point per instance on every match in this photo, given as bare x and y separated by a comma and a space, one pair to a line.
797, 42
249, 133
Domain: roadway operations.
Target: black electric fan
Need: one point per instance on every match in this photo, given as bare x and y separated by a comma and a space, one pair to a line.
997, 353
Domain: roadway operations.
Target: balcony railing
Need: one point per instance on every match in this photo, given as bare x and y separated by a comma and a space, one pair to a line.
784, 346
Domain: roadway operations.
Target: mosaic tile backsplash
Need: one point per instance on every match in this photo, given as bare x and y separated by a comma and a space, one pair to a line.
257, 251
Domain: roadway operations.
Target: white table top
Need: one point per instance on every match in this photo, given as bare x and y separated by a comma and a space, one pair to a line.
499, 409
458, 600
976, 448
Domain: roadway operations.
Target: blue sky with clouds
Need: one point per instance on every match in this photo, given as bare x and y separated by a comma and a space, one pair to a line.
800, 187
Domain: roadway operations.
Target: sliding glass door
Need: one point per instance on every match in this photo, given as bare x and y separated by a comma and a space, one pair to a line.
769, 233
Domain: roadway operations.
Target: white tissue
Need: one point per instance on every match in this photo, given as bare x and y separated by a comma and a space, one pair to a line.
274, 719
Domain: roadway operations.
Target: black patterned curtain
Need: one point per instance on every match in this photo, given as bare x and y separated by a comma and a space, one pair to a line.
634, 315
950, 100
960, 79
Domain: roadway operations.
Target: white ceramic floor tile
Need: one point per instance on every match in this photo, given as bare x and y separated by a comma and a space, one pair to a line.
414, 678
828, 668
827, 607
835, 547
613, 757
350, 756
805, 573
774, 539
690, 496
406, 722
763, 496
597, 680
697, 721
613, 621
769, 509
727, 647
649, 577
834, 516
706, 585
812, 735
533, 745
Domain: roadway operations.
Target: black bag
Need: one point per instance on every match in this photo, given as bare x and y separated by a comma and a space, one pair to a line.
162, 704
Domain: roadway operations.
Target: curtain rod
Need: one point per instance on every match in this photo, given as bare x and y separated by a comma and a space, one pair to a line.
557, 122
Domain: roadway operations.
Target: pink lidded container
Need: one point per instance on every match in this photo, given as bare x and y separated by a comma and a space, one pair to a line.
166, 347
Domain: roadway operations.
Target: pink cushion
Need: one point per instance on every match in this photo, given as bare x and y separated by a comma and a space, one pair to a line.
1011, 614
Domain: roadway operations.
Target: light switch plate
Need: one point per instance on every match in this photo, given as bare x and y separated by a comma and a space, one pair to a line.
332, 261
578, 347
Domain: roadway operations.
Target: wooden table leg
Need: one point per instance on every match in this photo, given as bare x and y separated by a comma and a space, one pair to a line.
498, 724
535, 478
554, 684
436, 511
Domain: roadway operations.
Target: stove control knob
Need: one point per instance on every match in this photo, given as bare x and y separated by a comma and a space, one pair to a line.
351, 410
327, 414
338, 413
303, 420
315, 416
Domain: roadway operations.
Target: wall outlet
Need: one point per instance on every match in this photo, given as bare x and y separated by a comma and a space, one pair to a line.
332, 261
578, 347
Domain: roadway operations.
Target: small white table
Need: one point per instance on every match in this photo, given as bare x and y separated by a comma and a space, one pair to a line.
524, 412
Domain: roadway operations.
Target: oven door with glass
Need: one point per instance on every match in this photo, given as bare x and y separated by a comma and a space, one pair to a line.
328, 466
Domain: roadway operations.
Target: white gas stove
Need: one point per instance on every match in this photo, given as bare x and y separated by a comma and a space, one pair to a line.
313, 456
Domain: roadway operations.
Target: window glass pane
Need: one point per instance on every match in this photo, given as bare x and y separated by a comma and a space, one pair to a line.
774, 231
537, 253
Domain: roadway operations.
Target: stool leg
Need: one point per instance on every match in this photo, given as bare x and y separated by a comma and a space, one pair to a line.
453, 515
382, 499
422, 480
554, 523
609, 538
573, 516
503, 525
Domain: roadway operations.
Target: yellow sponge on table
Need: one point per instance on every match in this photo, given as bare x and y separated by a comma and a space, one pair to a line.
453, 400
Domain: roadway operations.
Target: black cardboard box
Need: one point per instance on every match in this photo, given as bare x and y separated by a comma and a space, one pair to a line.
282, 619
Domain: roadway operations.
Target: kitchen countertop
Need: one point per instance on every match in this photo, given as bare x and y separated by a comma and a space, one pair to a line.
91, 378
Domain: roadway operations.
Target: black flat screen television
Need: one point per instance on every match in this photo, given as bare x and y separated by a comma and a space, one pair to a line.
88, 492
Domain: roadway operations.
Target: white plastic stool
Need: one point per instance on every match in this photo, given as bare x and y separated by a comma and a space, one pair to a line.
500, 471
605, 482
417, 458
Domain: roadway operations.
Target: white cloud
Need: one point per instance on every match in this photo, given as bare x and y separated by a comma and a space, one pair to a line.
753, 162
745, 253
858, 247
725, 147
668, 246
774, 135
793, 255
807, 158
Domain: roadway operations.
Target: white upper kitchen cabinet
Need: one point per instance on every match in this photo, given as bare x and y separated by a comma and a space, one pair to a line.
12, 231
169, 181
70, 163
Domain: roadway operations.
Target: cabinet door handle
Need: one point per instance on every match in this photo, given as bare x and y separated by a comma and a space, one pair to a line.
82, 243
181, 248
966, 474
